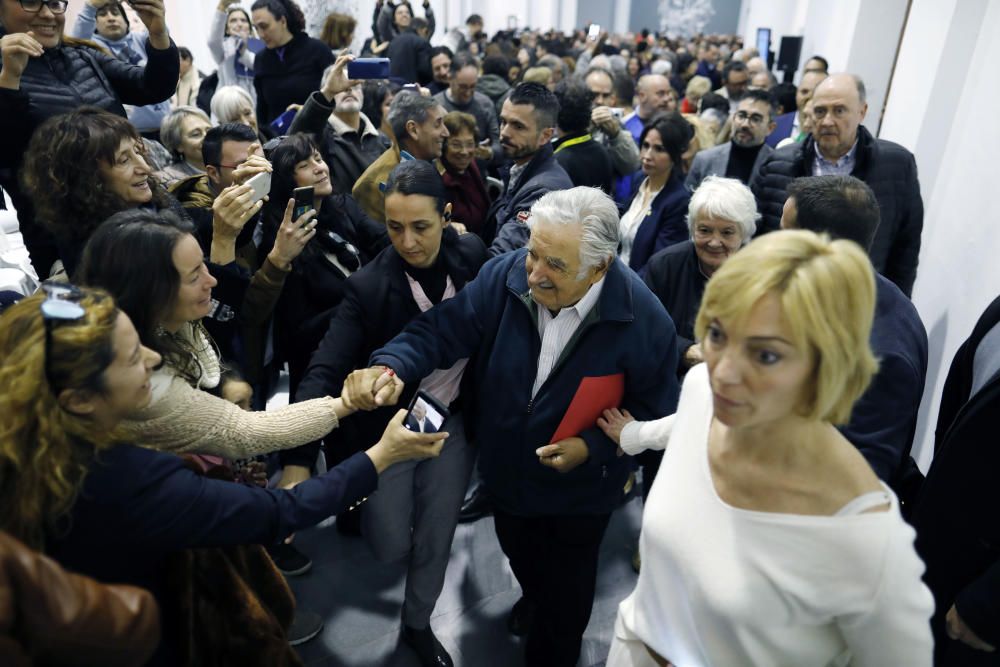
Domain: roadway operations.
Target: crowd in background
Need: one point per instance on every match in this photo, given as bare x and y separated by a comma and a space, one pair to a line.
512, 225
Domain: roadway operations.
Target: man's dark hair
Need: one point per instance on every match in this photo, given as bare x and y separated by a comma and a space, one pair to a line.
784, 97
498, 65
185, 53
826, 65
713, 101
675, 133
758, 95
575, 100
684, 61
624, 87
419, 23
462, 60
733, 66
211, 147
439, 50
842, 206
474, 18
540, 97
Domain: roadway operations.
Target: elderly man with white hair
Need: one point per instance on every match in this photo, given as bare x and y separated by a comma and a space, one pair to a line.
554, 331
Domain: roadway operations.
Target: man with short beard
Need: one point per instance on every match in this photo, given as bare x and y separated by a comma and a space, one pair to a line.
746, 151
527, 125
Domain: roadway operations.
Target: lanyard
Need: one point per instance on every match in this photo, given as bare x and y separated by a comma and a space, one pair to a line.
573, 142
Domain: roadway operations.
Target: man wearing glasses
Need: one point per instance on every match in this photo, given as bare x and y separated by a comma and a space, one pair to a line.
746, 151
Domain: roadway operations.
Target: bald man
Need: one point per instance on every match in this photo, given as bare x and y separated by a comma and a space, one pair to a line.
655, 95
840, 145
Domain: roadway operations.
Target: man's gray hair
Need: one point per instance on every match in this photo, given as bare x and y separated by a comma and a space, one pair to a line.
554, 62
407, 106
724, 199
227, 103
862, 93
590, 208
663, 67
171, 130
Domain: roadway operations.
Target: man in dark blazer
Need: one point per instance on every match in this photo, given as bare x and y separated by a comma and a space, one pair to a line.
745, 152
958, 534
884, 419
839, 144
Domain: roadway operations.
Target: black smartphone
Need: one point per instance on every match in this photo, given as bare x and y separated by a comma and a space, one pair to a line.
426, 414
304, 198
368, 68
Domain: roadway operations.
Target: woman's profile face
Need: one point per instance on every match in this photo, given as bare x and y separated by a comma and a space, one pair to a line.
313, 171
415, 228
238, 24
46, 26
758, 375
128, 175
193, 129
126, 380
194, 291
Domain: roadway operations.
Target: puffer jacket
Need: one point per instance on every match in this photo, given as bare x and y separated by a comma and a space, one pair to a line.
889, 170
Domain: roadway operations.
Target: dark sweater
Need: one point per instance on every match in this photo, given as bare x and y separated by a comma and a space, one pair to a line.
741, 161
288, 75
467, 195
587, 163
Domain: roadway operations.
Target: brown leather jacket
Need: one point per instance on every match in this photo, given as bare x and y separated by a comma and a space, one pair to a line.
49, 616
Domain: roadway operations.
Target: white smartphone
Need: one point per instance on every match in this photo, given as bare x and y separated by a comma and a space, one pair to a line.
261, 184
594, 32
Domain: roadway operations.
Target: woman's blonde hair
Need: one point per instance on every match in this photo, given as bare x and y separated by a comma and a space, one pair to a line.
827, 294
42, 462
698, 86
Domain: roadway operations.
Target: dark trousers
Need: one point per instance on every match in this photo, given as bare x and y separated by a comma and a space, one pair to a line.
555, 560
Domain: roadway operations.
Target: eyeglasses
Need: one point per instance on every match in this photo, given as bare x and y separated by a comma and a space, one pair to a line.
61, 304
744, 117
35, 6
462, 145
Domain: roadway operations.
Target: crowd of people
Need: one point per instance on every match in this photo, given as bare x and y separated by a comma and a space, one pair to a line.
607, 260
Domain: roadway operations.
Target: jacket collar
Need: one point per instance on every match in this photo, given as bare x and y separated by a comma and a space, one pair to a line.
862, 157
340, 127
541, 155
615, 304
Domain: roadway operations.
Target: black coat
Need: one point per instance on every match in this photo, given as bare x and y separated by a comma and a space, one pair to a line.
410, 58
61, 80
674, 276
958, 534
377, 305
291, 80
587, 163
888, 169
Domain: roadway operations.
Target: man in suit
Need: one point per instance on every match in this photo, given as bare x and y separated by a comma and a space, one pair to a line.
740, 158
416, 421
884, 419
521, 322
955, 517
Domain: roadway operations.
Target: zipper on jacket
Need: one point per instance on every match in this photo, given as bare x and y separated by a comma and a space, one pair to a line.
531, 405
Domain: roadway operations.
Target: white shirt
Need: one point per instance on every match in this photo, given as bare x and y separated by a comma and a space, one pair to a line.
638, 210
556, 331
721, 585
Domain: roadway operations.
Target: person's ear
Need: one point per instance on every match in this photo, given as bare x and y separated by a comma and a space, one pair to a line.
213, 174
412, 131
771, 126
864, 111
546, 136
80, 402
447, 214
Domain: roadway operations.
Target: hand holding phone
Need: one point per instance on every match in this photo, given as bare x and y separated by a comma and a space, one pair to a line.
261, 184
368, 68
426, 414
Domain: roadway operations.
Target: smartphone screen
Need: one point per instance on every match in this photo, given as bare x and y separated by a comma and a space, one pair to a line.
594, 32
426, 415
303, 201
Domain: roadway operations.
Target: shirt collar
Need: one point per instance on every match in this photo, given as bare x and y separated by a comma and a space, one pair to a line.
844, 160
340, 127
587, 303
404, 156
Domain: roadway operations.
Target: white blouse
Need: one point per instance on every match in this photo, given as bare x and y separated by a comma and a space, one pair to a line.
724, 586
641, 207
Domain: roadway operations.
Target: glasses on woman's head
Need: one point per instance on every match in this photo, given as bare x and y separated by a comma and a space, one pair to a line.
61, 305
35, 6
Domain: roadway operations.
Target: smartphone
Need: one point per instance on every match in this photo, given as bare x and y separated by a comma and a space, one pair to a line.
594, 32
426, 414
368, 68
261, 184
304, 199
617, 113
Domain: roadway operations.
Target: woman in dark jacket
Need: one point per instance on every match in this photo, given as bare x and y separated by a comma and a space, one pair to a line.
346, 239
291, 66
463, 184
49, 74
414, 513
73, 368
654, 218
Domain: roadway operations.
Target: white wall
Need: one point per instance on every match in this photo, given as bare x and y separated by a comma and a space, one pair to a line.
943, 106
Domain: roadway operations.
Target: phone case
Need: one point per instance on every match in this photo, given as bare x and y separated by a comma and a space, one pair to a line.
368, 68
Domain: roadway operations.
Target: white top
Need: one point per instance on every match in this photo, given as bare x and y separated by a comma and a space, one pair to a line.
640, 207
726, 586
556, 332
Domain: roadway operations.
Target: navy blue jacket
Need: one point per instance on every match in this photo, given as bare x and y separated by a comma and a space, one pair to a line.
505, 230
494, 321
665, 225
884, 419
782, 129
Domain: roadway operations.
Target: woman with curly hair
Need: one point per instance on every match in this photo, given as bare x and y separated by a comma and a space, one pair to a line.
45, 74
292, 65
72, 367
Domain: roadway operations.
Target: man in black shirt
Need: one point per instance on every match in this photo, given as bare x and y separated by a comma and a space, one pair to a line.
752, 122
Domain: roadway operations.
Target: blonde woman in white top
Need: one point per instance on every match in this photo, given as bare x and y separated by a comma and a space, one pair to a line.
767, 539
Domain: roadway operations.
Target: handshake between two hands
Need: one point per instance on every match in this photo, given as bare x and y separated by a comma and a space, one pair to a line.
371, 388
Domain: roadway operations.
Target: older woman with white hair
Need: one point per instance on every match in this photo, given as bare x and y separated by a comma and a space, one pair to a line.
182, 133
722, 218
232, 104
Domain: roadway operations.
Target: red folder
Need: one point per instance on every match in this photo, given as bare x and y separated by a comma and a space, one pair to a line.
593, 397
